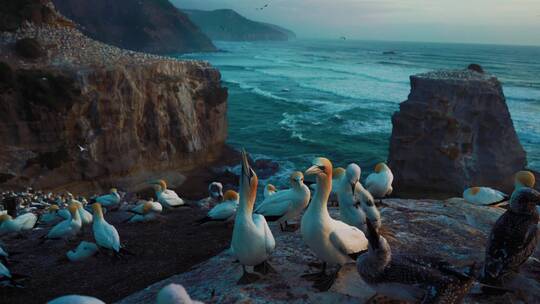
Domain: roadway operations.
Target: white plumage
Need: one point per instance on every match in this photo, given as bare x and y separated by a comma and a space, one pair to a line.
21, 223
109, 200
67, 228
75, 299
225, 210
105, 234
379, 183
167, 198
82, 252
332, 241
287, 204
483, 196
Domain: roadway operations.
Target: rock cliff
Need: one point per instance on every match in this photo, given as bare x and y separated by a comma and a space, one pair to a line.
452, 230
90, 114
454, 131
153, 26
228, 25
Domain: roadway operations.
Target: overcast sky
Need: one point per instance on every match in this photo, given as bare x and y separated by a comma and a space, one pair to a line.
477, 21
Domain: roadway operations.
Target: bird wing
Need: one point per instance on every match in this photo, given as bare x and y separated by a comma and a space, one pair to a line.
222, 211
107, 199
172, 198
348, 239
26, 221
4, 271
276, 205
107, 236
59, 230
262, 225
138, 209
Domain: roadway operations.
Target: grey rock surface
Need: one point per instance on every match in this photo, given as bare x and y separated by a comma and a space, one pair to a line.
453, 230
454, 132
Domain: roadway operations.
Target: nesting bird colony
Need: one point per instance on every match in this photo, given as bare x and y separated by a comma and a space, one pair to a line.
358, 237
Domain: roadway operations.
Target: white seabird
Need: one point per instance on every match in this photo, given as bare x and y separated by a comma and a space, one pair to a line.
224, 211
215, 196
83, 251
286, 205
51, 215
252, 241
67, 228
332, 241
109, 201
105, 234
483, 196
350, 195
145, 212
379, 183
23, 222
166, 197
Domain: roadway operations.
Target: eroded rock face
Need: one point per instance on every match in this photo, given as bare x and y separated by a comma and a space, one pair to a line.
453, 230
89, 113
454, 131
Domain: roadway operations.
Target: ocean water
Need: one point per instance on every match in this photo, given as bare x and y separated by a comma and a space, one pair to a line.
291, 101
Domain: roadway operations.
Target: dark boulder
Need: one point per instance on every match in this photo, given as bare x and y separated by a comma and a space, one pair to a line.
29, 48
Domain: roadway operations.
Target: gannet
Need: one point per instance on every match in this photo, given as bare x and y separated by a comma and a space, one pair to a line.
86, 217
21, 223
338, 175
166, 197
513, 238
109, 201
379, 183
269, 190
63, 213
67, 228
83, 251
252, 241
224, 211
334, 242
349, 198
286, 205
75, 299
51, 215
409, 277
483, 196
145, 212
105, 234
174, 294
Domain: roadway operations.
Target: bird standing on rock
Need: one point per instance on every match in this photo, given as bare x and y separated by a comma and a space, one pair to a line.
379, 183
105, 234
412, 278
349, 194
166, 197
513, 238
252, 241
332, 241
286, 205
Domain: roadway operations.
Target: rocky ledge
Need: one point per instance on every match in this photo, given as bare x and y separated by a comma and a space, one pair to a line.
79, 114
453, 230
453, 132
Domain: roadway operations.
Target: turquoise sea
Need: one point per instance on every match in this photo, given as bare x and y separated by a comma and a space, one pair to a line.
291, 101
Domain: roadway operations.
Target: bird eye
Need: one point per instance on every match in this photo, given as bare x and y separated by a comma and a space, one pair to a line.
321, 168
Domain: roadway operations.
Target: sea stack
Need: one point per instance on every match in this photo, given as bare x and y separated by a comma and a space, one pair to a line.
454, 131
90, 115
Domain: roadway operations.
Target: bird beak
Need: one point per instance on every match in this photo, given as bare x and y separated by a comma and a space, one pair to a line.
313, 170
245, 167
220, 197
353, 186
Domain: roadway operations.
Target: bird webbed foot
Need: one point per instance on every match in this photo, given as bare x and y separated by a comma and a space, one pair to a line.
264, 268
